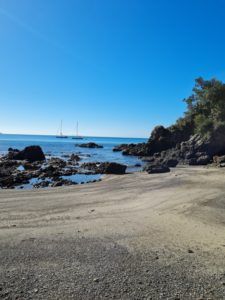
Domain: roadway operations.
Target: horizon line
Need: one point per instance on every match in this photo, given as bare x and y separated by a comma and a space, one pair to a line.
88, 136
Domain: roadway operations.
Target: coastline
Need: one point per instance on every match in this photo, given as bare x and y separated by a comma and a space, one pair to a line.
131, 236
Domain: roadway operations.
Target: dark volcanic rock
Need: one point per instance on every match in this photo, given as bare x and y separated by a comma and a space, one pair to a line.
122, 147
219, 159
31, 166
7, 182
62, 182
155, 169
30, 153
90, 145
74, 157
169, 147
161, 139
105, 168
42, 184
203, 160
5, 172
171, 163
50, 171
57, 162
91, 166
112, 168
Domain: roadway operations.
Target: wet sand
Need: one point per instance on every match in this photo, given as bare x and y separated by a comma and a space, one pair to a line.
135, 236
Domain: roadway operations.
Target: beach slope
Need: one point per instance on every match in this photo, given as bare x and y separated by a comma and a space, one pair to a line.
136, 236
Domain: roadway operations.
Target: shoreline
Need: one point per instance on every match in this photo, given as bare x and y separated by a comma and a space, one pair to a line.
131, 236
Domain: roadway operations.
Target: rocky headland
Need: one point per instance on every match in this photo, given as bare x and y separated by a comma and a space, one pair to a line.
196, 139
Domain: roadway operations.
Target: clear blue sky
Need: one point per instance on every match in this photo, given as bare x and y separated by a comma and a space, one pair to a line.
120, 67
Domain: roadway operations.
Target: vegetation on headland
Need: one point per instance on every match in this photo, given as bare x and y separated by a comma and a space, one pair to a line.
205, 109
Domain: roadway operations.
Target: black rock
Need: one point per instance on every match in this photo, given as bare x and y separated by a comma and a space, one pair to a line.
192, 162
74, 157
42, 184
171, 163
105, 168
57, 162
112, 168
90, 145
30, 153
61, 182
155, 169
203, 160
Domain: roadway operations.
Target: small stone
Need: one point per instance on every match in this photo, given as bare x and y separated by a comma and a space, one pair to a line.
96, 279
190, 251
35, 290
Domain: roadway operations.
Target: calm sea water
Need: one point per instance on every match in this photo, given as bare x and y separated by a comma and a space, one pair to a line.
58, 147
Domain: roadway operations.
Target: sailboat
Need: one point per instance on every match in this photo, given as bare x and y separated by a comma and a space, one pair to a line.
61, 136
77, 137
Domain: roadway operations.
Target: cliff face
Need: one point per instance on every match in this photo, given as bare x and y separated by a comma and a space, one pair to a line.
171, 147
161, 139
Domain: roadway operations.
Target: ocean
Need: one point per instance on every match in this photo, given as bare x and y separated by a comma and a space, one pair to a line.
56, 147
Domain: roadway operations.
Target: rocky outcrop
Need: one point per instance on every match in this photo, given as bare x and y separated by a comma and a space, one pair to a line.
196, 151
30, 153
169, 146
74, 158
112, 168
90, 145
161, 139
156, 169
105, 168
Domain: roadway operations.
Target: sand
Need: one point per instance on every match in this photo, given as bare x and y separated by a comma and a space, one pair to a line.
135, 236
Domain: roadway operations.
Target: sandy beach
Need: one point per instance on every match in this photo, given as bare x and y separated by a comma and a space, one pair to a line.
134, 236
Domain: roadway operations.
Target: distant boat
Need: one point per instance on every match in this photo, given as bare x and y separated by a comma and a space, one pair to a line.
61, 136
77, 137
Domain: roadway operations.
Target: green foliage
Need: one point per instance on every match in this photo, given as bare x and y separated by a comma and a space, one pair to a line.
205, 108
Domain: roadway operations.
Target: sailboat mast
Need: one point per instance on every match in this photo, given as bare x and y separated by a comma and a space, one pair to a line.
61, 128
77, 129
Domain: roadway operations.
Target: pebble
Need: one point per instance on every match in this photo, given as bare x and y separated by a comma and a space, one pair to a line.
190, 251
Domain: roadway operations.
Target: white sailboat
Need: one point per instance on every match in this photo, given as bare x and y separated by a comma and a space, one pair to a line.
77, 136
61, 136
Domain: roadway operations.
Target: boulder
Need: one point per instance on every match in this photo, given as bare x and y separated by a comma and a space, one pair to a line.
105, 167
90, 145
156, 169
171, 163
5, 172
74, 157
50, 171
31, 166
57, 162
219, 159
61, 182
42, 184
30, 153
112, 168
7, 182
203, 160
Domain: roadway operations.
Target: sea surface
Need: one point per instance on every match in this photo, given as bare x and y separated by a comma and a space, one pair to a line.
57, 147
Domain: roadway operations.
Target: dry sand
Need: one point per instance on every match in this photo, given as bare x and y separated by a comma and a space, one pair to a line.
136, 236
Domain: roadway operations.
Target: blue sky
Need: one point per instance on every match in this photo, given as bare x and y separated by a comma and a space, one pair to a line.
119, 67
